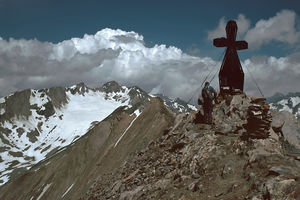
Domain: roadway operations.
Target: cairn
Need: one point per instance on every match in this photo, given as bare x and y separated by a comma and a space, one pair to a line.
258, 119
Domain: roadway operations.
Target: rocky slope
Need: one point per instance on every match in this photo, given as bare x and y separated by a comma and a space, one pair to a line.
34, 124
245, 155
69, 173
141, 149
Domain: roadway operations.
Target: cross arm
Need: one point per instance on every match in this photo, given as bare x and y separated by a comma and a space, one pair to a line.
239, 45
221, 42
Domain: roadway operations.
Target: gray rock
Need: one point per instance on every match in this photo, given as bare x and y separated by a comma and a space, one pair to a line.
283, 170
195, 175
128, 195
290, 128
195, 186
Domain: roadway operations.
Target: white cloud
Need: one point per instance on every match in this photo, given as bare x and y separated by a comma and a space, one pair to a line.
272, 74
242, 23
281, 27
96, 59
123, 57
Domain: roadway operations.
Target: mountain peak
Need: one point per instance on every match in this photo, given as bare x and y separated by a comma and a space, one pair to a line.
80, 88
111, 86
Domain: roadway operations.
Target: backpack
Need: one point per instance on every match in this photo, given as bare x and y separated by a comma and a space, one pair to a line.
207, 93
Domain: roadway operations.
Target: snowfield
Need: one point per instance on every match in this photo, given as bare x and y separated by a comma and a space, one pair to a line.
30, 140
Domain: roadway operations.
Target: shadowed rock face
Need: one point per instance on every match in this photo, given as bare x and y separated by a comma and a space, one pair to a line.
71, 172
58, 96
80, 88
17, 105
111, 86
199, 161
137, 95
290, 127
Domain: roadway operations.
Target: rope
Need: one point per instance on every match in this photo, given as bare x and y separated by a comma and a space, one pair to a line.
255, 82
213, 76
200, 86
207, 77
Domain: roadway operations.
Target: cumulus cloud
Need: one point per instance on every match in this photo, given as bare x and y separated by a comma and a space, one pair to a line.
281, 28
273, 74
242, 22
95, 59
123, 57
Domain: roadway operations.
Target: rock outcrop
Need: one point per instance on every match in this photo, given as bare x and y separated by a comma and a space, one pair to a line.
228, 160
16, 105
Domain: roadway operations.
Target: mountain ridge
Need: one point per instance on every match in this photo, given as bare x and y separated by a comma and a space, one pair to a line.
34, 124
91, 153
229, 160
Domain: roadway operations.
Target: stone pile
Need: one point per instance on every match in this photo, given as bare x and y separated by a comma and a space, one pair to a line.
258, 119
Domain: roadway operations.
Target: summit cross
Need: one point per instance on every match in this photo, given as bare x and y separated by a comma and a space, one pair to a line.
231, 75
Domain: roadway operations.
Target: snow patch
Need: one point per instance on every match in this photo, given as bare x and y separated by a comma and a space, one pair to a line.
2, 111
44, 190
4, 178
137, 113
284, 103
2, 100
295, 101
192, 107
66, 192
39, 98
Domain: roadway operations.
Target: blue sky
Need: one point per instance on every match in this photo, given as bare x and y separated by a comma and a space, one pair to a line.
183, 24
45, 43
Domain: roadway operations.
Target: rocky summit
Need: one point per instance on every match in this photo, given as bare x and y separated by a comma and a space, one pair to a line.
244, 155
146, 149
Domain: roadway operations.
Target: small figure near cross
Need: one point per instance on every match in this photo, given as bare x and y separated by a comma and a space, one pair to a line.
231, 75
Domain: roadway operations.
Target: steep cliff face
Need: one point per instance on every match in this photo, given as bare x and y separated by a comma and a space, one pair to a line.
15, 105
229, 160
68, 174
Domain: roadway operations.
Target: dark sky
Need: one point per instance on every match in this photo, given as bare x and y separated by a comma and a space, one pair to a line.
183, 24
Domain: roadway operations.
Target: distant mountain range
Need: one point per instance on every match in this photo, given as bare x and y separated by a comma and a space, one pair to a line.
289, 102
36, 124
